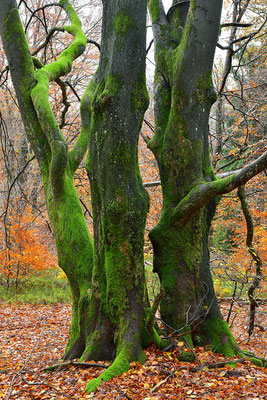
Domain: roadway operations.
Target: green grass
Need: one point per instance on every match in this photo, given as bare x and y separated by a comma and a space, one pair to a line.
51, 287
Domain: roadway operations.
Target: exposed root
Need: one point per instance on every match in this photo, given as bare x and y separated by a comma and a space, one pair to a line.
120, 365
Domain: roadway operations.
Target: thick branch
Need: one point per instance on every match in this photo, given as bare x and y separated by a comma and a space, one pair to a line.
202, 193
203, 22
22, 73
159, 20
157, 12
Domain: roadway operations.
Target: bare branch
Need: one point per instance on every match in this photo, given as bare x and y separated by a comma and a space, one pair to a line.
236, 24
95, 43
47, 39
149, 46
76, 363
151, 184
36, 11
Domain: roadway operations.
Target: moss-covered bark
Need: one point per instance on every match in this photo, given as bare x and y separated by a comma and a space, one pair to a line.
185, 41
57, 164
117, 328
109, 320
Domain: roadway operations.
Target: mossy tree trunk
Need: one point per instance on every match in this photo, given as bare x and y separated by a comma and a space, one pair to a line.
57, 164
185, 41
119, 200
111, 319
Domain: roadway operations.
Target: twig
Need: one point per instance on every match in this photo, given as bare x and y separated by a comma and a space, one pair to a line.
151, 184
149, 125
20, 371
45, 384
237, 24
94, 43
232, 303
149, 46
216, 365
190, 348
48, 37
160, 383
76, 363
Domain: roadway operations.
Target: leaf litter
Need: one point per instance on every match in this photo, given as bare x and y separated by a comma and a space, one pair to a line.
35, 336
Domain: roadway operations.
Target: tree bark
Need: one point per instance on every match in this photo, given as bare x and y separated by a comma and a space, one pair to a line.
57, 164
120, 203
185, 41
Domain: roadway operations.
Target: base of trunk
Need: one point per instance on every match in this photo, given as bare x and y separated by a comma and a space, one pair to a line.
127, 349
216, 333
120, 365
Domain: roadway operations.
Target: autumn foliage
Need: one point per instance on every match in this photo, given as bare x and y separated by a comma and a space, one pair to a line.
26, 250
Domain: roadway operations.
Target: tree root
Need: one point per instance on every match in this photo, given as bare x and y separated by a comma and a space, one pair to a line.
120, 365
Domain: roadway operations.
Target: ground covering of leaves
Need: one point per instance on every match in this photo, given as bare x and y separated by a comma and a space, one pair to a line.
33, 336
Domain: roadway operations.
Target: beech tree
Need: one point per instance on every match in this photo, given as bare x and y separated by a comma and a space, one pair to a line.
185, 42
112, 318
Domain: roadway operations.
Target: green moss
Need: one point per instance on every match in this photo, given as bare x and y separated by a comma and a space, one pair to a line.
13, 33
153, 6
221, 338
120, 365
64, 62
205, 92
105, 92
180, 51
186, 356
93, 345
140, 96
259, 363
73, 240
122, 23
207, 168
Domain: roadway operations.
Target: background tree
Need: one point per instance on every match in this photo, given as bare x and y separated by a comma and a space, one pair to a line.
239, 134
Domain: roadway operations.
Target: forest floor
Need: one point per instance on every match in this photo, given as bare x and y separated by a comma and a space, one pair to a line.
34, 336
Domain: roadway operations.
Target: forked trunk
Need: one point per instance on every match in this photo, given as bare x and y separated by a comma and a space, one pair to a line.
185, 41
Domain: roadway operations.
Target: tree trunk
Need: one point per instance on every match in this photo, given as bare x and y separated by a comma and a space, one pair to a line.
75, 256
185, 41
119, 200
57, 164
